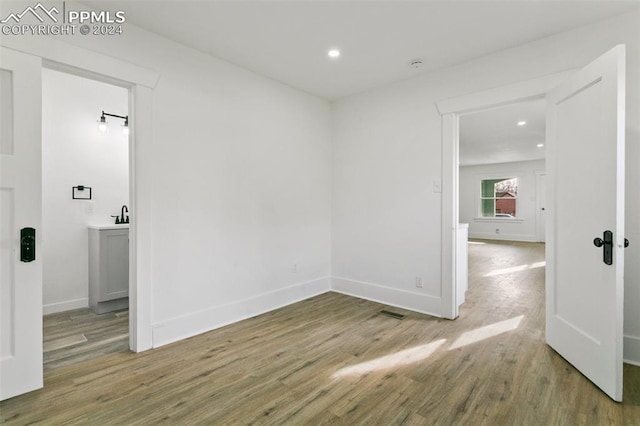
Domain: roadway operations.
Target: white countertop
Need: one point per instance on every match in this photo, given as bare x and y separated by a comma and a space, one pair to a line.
110, 226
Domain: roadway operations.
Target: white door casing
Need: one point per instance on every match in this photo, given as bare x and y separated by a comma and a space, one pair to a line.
451, 109
20, 207
585, 163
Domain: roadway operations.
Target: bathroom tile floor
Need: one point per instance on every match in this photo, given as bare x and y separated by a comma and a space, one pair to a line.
75, 336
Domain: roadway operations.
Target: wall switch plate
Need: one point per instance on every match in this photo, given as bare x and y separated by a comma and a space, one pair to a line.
437, 186
419, 282
90, 207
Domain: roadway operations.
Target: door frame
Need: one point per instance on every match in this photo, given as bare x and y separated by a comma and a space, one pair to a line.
140, 82
451, 110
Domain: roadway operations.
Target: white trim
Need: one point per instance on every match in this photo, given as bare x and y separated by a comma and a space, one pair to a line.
67, 305
416, 302
451, 109
140, 232
140, 82
503, 237
66, 54
632, 350
498, 219
450, 217
194, 323
504, 95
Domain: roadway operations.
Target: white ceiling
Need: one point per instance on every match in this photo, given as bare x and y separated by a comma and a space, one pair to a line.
288, 40
494, 136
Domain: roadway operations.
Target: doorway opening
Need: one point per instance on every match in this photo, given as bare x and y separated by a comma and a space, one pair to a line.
86, 189
501, 168
452, 110
575, 115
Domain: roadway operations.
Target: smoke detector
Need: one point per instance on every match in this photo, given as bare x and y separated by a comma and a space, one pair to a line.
416, 63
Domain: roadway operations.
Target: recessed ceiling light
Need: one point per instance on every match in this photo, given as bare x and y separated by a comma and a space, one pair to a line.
333, 53
522, 123
540, 145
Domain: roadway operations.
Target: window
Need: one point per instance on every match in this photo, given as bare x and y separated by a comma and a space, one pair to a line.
499, 197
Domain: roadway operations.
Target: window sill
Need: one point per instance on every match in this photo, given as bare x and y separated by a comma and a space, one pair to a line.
498, 219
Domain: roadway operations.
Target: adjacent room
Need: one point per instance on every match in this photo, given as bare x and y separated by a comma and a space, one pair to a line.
501, 193
407, 212
85, 187
501, 207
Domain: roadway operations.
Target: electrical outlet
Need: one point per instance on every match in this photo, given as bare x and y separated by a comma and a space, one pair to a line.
497, 230
294, 268
419, 282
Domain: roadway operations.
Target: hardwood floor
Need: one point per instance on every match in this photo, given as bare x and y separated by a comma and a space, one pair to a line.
334, 359
75, 336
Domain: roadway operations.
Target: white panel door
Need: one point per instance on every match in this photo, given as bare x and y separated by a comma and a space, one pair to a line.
541, 206
585, 165
20, 207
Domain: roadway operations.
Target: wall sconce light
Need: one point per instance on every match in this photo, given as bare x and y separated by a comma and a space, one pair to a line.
102, 122
125, 126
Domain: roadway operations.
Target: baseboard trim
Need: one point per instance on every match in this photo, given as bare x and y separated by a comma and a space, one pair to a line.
195, 323
67, 305
416, 302
503, 237
632, 350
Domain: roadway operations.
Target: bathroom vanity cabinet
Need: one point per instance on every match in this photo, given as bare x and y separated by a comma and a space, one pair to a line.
108, 268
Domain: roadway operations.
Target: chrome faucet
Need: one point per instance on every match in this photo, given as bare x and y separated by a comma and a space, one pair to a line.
122, 211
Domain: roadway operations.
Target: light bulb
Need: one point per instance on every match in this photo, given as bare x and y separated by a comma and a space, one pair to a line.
125, 126
102, 124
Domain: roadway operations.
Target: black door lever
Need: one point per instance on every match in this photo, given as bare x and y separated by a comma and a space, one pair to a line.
606, 242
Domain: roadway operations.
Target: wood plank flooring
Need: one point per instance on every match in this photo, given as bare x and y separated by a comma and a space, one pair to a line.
337, 360
79, 335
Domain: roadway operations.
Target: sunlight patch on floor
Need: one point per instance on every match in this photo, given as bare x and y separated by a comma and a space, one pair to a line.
397, 359
486, 332
513, 269
478, 243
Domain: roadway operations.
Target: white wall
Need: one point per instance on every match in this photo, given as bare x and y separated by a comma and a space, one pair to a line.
521, 229
387, 153
75, 153
241, 187
243, 179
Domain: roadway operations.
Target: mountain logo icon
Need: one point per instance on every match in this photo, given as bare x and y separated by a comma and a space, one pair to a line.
38, 11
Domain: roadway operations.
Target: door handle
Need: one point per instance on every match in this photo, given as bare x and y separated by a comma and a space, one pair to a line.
27, 245
606, 242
